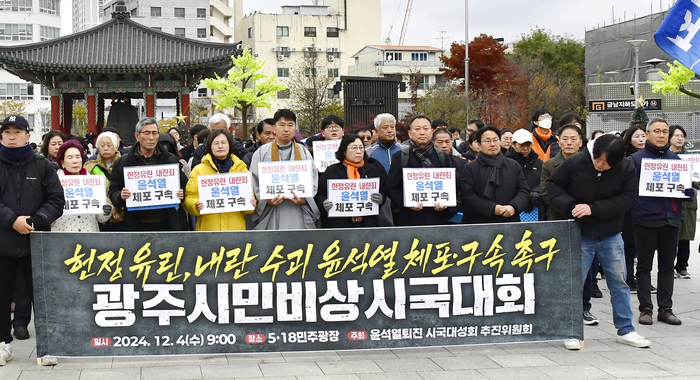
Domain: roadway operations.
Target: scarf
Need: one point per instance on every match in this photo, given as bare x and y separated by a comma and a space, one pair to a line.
223, 166
423, 154
82, 172
544, 137
276, 151
354, 173
18, 154
492, 181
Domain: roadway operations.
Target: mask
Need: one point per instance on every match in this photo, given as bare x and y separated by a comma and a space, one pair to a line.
546, 123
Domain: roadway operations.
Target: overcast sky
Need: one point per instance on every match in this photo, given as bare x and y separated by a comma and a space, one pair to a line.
506, 19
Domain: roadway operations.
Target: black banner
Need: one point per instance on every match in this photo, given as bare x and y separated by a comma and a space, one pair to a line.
252, 291
620, 105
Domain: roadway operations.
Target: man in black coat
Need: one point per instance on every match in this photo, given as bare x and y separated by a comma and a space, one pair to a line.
493, 187
146, 151
420, 153
265, 133
597, 187
31, 198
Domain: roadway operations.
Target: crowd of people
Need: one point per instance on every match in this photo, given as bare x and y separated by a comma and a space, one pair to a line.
543, 172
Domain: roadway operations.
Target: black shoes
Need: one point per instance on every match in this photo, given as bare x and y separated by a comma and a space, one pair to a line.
595, 291
21, 333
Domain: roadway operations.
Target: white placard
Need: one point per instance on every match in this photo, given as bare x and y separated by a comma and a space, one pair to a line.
324, 153
284, 177
85, 194
664, 178
351, 197
228, 192
152, 186
429, 186
694, 160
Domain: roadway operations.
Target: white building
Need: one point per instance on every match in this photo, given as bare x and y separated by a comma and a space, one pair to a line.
86, 14
29, 21
403, 61
335, 30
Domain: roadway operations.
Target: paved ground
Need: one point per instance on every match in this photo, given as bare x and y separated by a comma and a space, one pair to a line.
675, 353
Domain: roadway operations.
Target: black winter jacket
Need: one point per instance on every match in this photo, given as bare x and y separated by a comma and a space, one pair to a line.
609, 193
172, 220
29, 188
654, 208
394, 190
512, 191
371, 169
532, 169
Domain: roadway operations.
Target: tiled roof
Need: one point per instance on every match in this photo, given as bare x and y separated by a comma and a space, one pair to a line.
118, 45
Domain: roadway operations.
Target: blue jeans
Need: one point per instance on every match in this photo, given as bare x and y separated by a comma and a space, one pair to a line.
611, 255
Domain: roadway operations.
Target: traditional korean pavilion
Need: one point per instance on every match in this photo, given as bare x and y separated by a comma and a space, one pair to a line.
117, 59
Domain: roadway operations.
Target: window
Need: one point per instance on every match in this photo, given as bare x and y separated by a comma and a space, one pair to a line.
202, 92
332, 73
250, 32
332, 32
16, 32
419, 56
282, 31
201, 32
45, 93
134, 12
309, 31
30, 121
180, 12
155, 12
52, 7
310, 72
180, 32
49, 33
16, 5
393, 56
283, 72
201, 13
16, 91
424, 82
284, 94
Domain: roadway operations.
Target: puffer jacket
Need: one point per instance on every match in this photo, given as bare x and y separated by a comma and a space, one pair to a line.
229, 221
29, 188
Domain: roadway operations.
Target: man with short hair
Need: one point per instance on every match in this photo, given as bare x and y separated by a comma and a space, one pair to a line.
31, 198
282, 213
596, 188
265, 133
217, 121
656, 222
331, 129
442, 139
465, 148
386, 146
420, 153
456, 137
365, 134
146, 152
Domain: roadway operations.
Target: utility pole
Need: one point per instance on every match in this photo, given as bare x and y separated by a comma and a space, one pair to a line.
466, 54
442, 39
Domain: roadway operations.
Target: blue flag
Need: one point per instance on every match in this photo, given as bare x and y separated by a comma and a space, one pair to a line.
677, 35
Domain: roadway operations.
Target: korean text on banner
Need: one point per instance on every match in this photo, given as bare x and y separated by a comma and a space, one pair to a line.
694, 160
429, 186
85, 194
664, 178
228, 192
152, 187
351, 197
284, 178
324, 153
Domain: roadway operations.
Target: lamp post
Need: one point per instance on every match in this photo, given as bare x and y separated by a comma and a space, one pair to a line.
466, 54
636, 44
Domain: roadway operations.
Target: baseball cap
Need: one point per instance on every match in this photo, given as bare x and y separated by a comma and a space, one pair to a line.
522, 136
17, 121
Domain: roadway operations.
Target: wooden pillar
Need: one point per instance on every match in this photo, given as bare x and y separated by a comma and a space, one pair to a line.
100, 112
185, 104
150, 103
55, 109
67, 114
92, 112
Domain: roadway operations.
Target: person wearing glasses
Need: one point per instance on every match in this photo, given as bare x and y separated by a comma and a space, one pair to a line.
146, 151
365, 134
331, 129
545, 143
354, 164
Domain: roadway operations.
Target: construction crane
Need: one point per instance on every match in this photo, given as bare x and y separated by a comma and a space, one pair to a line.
387, 40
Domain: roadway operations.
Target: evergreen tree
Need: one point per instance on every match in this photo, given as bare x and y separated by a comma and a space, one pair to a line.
639, 117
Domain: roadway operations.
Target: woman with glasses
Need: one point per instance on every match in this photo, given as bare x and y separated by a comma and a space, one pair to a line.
354, 164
